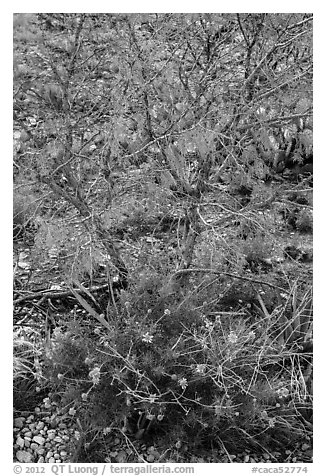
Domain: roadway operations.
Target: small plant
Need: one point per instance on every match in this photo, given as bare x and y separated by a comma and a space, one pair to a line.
304, 222
23, 214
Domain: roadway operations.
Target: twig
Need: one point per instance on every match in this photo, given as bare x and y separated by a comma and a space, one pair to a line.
214, 271
48, 293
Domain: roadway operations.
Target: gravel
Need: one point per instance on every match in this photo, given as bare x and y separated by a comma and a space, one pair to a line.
46, 437
42, 437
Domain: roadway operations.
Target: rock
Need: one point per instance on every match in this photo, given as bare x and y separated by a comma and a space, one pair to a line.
37, 410
56, 456
51, 460
41, 459
57, 439
34, 446
39, 440
156, 454
246, 459
27, 444
20, 442
24, 457
28, 434
19, 422
40, 425
49, 454
121, 457
41, 451
63, 454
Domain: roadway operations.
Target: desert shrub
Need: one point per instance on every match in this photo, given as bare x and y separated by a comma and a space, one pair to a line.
166, 367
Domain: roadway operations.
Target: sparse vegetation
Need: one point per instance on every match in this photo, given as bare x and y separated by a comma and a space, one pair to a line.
163, 237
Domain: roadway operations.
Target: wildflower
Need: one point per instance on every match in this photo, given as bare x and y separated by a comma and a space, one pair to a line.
208, 324
178, 444
152, 398
127, 304
263, 414
183, 383
106, 430
47, 403
84, 396
167, 312
87, 361
72, 411
232, 337
95, 375
271, 422
77, 435
115, 279
97, 331
60, 376
147, 338
283, 392
174, 377
200, 368
251, 335
149, 311
160, 417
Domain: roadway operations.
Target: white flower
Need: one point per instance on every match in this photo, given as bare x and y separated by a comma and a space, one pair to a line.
232, 337
95, 375
183, 383
152, 398
72, 411
283, 392
200, 368
167, 312
84, 396
147, 338
271, 422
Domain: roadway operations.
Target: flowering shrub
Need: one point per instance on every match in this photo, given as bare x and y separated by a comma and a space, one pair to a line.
175, 369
